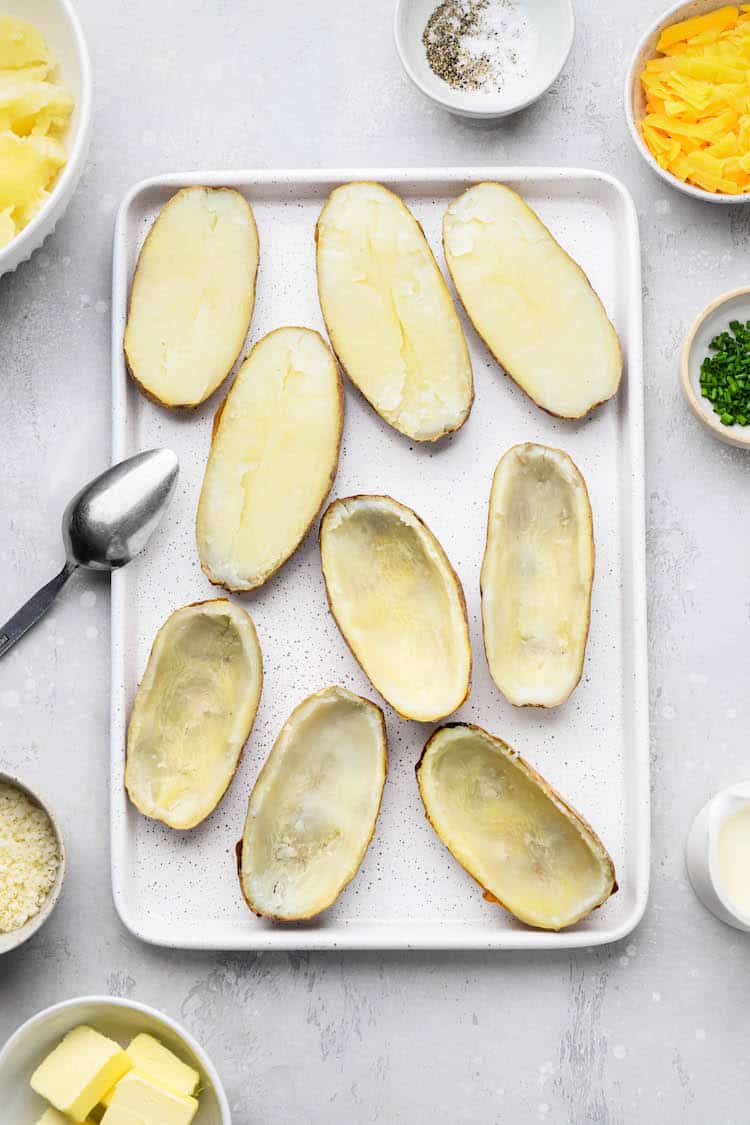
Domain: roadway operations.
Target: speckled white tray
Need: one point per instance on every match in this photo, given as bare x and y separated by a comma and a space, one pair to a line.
181, 889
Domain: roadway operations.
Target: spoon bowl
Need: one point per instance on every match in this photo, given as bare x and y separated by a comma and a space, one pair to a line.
113, 517
104, 526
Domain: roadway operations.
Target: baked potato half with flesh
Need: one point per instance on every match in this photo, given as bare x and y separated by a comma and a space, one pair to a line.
193, 712
398, 603
389, 315
312, 811
192, 295
273, 457
525, 846
530, 302
537, 575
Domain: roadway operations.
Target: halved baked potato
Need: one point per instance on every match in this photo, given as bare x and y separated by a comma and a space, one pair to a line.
273, 457
389, 315
192, 296
398, 603
312, 811
530, 302
193, 712
537, 574
525, 846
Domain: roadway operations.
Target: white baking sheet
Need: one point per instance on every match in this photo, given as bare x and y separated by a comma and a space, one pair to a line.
181, 889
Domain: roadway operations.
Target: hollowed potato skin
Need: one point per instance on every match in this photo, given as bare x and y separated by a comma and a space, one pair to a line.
407, 709
281, 825
461, 848
174, 704
496, 590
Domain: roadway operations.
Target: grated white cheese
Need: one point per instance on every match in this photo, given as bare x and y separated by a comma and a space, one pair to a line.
29, 858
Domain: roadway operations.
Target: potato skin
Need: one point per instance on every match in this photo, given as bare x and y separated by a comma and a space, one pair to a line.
544, 785
231, 777
498, 358
238, 848
214, 432
449, 568
544, 706
145, 391
332, 336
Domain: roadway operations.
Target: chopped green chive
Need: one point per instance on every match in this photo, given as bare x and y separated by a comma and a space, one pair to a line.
725, 375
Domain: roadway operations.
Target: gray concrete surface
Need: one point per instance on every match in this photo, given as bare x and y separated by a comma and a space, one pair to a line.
653, 1030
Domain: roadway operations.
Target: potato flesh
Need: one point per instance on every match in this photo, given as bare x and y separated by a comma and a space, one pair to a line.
390, 317
398, 605
193, 712
537, 575
273, 458
510, 831
312, 811
530, 302
192, 296
21, 45
34, 114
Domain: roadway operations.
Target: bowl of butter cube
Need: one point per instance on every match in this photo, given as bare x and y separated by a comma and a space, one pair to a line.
100, 1060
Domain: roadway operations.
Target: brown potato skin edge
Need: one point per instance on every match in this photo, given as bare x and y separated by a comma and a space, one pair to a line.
547, 789
498, 359
552, 449
451, 571
214, 431
188, 406
230, 779
238, 847
332, 338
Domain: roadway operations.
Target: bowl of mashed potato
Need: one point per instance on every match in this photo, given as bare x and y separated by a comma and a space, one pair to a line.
45, 120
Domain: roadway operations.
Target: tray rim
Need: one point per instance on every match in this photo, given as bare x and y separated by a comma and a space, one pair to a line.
367, 937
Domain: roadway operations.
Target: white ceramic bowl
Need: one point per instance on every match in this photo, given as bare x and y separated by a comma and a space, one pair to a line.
58, 23
702, 854
714, 319
554, 24
120, 1020
635, 102
17, 937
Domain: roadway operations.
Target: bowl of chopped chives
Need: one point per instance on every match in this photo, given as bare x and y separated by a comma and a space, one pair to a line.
32, 862
715, 367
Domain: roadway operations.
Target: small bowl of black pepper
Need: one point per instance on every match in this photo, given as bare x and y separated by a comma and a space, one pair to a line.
483, 58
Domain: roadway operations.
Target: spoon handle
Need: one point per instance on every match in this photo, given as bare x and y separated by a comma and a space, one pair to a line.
34, 608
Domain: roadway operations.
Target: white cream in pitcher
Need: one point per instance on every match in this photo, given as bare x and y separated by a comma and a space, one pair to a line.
734, 858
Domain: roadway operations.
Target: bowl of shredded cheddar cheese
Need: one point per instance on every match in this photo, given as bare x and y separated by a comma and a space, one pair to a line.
45, 120
687, 99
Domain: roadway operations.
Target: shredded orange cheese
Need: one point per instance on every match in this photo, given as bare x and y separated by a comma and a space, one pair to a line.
697, 121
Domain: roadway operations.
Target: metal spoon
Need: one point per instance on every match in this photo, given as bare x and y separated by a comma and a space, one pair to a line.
104, 526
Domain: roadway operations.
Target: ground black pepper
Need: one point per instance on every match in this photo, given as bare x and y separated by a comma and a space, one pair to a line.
470, 44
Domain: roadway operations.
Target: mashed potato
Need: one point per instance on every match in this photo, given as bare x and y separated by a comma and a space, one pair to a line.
34, 113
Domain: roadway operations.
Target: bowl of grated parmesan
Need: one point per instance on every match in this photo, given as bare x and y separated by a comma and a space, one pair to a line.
32, 862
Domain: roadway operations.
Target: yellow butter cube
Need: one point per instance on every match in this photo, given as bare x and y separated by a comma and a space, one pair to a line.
139, 1101
53, 1116
79, 1071
151, 1057
155, 1061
